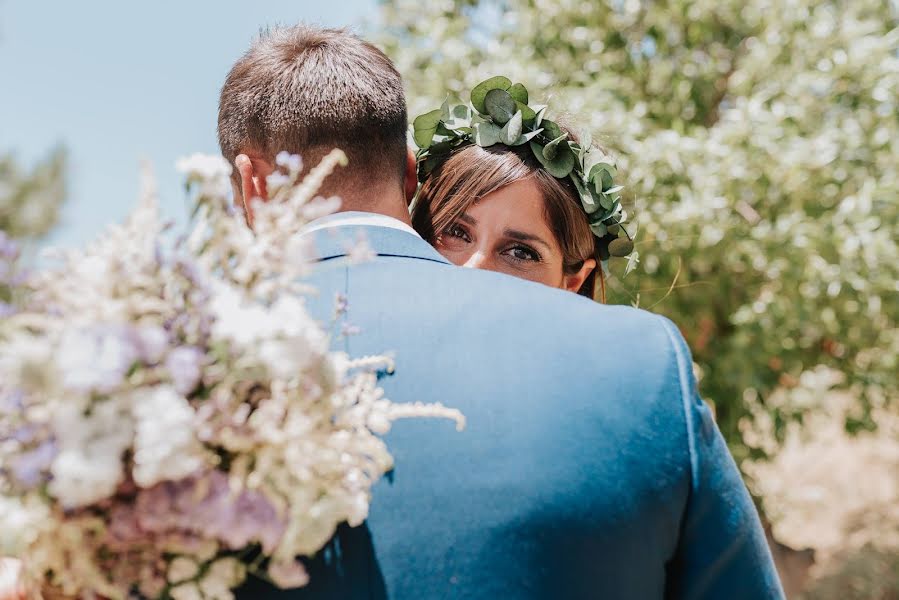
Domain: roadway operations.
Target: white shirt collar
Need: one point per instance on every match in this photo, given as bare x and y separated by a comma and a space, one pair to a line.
357, 218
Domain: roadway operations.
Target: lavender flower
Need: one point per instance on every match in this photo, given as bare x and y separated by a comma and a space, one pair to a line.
184, 367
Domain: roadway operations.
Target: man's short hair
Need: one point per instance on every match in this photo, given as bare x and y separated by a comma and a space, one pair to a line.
307, 91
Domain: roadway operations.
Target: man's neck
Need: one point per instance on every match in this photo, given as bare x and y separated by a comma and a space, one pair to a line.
391, 204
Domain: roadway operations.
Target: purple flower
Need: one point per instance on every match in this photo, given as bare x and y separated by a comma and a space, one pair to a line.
152, 342
206, 506
9, 249
30, 468
184, 366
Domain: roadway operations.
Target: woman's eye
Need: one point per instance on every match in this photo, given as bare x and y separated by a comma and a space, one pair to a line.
457, 232
524, 253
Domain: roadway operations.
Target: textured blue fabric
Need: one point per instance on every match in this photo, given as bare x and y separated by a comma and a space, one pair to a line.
589, 467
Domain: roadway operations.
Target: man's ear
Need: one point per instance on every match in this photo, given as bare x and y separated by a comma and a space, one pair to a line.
573, 282
410, 185
251, 176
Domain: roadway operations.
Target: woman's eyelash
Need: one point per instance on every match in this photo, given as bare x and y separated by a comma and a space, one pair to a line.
531, 254
456, 231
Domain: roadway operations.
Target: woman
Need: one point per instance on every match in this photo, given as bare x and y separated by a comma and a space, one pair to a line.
516, 193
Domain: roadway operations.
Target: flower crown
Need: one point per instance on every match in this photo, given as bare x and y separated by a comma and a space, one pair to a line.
499, 114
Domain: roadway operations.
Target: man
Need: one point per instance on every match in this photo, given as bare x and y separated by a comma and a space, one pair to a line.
589, 466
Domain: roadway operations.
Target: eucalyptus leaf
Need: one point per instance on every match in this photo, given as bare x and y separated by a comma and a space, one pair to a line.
479, 93
560, 166
590, 205
527, 113
540, 109
425, 126
551, 149
586, 140
599, 229
461, 111
621, 247
519, 93
510, 133
527, 137
632, 261
551, 129
500, 106
486, 134
445, 109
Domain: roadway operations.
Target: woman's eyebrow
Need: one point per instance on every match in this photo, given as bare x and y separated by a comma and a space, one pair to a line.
522, 236
468, 219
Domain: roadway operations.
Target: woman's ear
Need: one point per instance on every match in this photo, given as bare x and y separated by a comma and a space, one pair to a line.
410, 184
251, 175
574, 281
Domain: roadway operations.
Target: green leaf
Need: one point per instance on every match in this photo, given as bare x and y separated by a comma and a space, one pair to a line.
599, 229
527, 113
541, 112
551, 149
445, 109
560, 166
425, 126
479, 93
500, 106
590, 205
551, 129
519, 92
586, 140
527, 137
512, 130
461, 111
486, 134
621, 247
632, 261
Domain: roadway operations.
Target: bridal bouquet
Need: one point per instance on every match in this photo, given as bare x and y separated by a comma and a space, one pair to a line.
171, 417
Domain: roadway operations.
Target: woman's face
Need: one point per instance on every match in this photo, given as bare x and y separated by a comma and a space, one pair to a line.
506, 231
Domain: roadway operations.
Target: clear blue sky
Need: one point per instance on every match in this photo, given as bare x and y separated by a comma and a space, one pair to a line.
116, 81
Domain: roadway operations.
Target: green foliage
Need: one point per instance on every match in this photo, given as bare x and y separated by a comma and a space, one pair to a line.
757, 142
30, 199
29, 208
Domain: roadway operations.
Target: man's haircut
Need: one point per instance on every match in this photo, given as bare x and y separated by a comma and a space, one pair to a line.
308, 90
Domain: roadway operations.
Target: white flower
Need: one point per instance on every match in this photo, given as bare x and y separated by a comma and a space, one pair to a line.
88, 466
186, 591
95, 358
165, 444
288, 573
81, 478
152, 341
183, 365
224, 574
292, 162
181, 569
203, 166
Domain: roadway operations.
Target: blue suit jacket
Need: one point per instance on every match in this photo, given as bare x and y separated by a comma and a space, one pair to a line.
589, 467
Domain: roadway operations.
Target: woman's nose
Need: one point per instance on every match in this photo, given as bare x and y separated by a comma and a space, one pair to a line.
479, 260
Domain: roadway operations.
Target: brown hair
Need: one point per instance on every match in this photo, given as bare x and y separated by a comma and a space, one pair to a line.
308, 90
473, 172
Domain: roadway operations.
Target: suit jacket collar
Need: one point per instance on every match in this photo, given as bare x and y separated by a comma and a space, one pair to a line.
334, 238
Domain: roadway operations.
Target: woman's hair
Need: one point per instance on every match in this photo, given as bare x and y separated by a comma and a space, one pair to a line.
473, 172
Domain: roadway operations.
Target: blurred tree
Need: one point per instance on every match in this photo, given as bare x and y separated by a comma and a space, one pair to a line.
30, 199
757, 140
